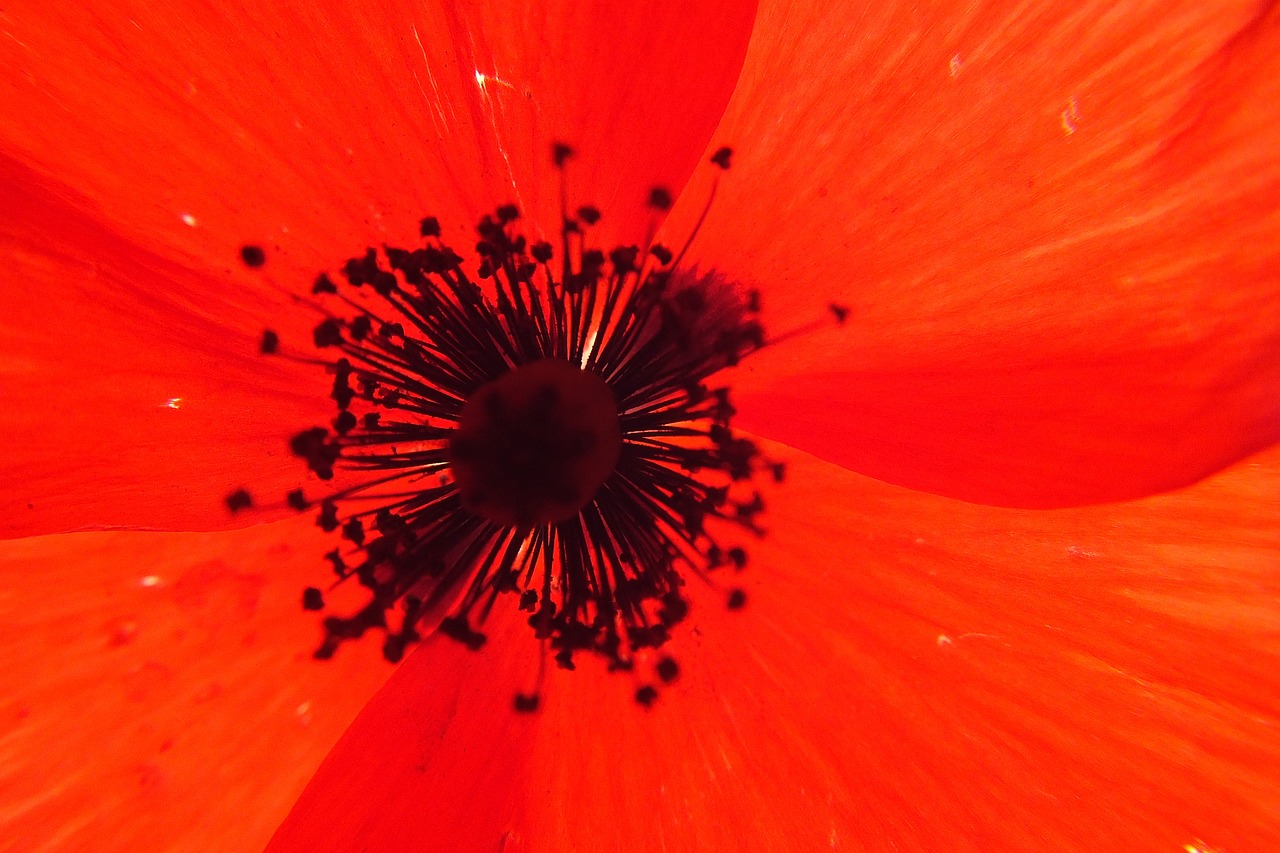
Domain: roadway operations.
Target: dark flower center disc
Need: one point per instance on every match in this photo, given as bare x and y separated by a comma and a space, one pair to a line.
534, 445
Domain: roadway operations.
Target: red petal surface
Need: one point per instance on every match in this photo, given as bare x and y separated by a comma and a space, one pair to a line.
134, 391
911, 673
438, 760
154, 140
159, 691
1057, 227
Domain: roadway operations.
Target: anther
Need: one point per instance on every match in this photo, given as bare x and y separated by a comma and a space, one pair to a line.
660, 198
253, 256
239, 500
560, 154
668, 670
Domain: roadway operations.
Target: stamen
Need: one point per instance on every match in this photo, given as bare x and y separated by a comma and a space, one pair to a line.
239, 500
532, 429
253, 256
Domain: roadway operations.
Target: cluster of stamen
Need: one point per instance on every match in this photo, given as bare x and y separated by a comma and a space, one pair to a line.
428, 363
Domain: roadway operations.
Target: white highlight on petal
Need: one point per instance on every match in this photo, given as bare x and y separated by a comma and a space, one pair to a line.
1200, 847
190, 220
1071, 116
482, 79
19, 41
150, 581
437, 103
173, 403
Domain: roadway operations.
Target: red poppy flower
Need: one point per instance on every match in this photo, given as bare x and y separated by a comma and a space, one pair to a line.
1050, 619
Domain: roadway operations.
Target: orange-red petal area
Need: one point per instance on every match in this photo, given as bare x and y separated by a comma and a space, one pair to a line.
311, 125
159, 691
909, 673
1056, 228
144, 144
135, 391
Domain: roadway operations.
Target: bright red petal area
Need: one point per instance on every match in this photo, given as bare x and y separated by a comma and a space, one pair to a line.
159, 690
1057, 229
314, 127
134, 391
437, 761
910, 673
145, 144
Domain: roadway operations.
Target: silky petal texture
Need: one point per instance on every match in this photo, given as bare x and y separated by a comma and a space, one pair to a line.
151, 141
159, 690
109, 420
1057, 228
910, 673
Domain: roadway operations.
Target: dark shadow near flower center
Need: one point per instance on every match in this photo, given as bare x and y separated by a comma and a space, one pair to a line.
535, 445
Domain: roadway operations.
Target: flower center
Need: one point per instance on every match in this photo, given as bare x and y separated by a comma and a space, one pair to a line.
534, 445
531, 426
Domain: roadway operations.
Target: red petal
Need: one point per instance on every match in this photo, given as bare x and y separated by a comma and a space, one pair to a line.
1057, 230
134, 391
322, 126
147, 145
439, 760
159, 690
910, 673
